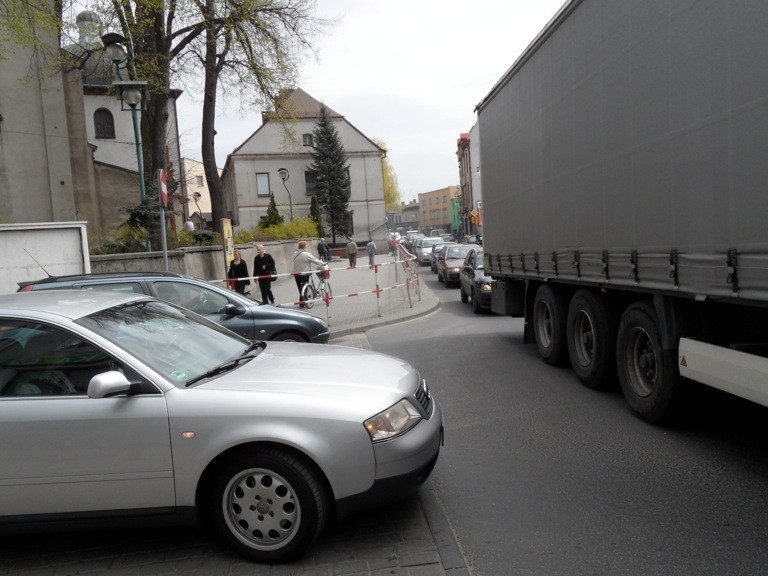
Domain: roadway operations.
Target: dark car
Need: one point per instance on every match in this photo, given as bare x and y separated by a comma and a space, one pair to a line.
436, 252
474, 285
225, 307
449, 263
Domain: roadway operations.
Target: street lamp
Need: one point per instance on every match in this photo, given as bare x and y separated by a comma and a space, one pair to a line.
131, 93
284, 176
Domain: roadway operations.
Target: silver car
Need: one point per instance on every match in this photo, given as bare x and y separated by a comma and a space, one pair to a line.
130, 407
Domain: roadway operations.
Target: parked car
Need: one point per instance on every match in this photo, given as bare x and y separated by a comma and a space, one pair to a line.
450, 261
474, 285
230, 309
410, 242
424, 249
124, 407
435, 253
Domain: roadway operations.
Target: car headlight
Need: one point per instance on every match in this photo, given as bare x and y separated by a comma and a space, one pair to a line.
393, 421
322, 322
456, 270
486, 287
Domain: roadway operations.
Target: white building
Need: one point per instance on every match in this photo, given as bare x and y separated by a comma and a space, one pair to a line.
252, 172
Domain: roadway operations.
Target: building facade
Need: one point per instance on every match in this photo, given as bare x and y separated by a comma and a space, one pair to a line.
435, 210
471, 205
198, 207
276, 161
406, 217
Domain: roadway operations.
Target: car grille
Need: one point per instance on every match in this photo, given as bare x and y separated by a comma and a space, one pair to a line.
424, 397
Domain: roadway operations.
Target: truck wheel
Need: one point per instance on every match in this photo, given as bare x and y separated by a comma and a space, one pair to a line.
591, 340
267, 505
648, 374
549, 320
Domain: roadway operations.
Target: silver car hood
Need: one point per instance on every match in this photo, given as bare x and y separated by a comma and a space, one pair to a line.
349, 374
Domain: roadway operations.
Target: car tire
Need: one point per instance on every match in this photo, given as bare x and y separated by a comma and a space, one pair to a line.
592, 340
549, 320
267, 505
475, 303
463, 295
439, 277
289, 337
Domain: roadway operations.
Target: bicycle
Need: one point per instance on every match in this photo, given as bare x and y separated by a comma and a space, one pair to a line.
320, 291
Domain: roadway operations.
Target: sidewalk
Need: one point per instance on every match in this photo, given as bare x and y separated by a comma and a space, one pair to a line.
356, 306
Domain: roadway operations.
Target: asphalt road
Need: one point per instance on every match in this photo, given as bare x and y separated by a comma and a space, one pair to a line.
540, 475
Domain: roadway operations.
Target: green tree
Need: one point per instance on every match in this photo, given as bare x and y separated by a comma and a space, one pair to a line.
316, 215
273, 216
332, 176
391, 187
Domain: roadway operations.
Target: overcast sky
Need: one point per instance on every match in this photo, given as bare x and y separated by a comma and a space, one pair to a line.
408, 72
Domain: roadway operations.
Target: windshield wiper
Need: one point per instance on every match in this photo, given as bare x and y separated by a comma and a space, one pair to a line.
249, 353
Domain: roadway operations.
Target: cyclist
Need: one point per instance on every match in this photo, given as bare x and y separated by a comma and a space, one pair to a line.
303, 264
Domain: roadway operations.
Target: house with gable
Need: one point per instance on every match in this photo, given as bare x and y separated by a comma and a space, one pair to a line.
277, 158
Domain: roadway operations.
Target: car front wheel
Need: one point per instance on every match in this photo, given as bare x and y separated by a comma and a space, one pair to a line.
267, 505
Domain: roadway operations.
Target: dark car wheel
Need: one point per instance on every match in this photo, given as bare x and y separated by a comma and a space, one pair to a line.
463, 295
439, 276
289, 337
475, 303
267, 505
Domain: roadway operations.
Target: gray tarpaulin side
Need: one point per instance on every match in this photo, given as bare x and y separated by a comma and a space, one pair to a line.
633, 134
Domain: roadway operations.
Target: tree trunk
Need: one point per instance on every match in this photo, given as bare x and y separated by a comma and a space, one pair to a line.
208, 149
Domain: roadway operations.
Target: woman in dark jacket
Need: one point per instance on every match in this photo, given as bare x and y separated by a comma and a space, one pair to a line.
238, 273
264, 265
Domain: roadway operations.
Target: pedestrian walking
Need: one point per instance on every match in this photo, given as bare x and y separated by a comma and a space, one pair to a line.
371, 249
238, 273
303, 264
324, 250
352, 253
264, 265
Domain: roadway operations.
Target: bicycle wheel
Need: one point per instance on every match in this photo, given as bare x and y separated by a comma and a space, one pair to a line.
308, 295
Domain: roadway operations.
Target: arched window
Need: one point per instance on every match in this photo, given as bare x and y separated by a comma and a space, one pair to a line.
104, 123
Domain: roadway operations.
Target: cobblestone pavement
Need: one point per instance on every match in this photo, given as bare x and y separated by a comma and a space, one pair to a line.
408, 538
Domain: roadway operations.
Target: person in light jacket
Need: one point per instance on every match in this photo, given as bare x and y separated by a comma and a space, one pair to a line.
352, 253
303, 264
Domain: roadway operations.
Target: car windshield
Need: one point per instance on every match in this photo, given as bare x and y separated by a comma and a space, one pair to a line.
457, 252
429, 242
174, 342
479, 260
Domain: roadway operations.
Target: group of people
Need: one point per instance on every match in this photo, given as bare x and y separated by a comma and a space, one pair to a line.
264, 268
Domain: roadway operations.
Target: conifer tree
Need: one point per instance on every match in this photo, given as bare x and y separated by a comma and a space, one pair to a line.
316, 216
332, 176
273, 216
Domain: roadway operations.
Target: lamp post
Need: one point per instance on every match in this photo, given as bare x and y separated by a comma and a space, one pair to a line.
132, 95
284, 176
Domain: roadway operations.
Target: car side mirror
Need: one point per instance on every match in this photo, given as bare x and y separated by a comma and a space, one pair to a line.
233, 310
108, 384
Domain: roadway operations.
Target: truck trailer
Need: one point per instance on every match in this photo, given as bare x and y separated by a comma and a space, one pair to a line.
624, 161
